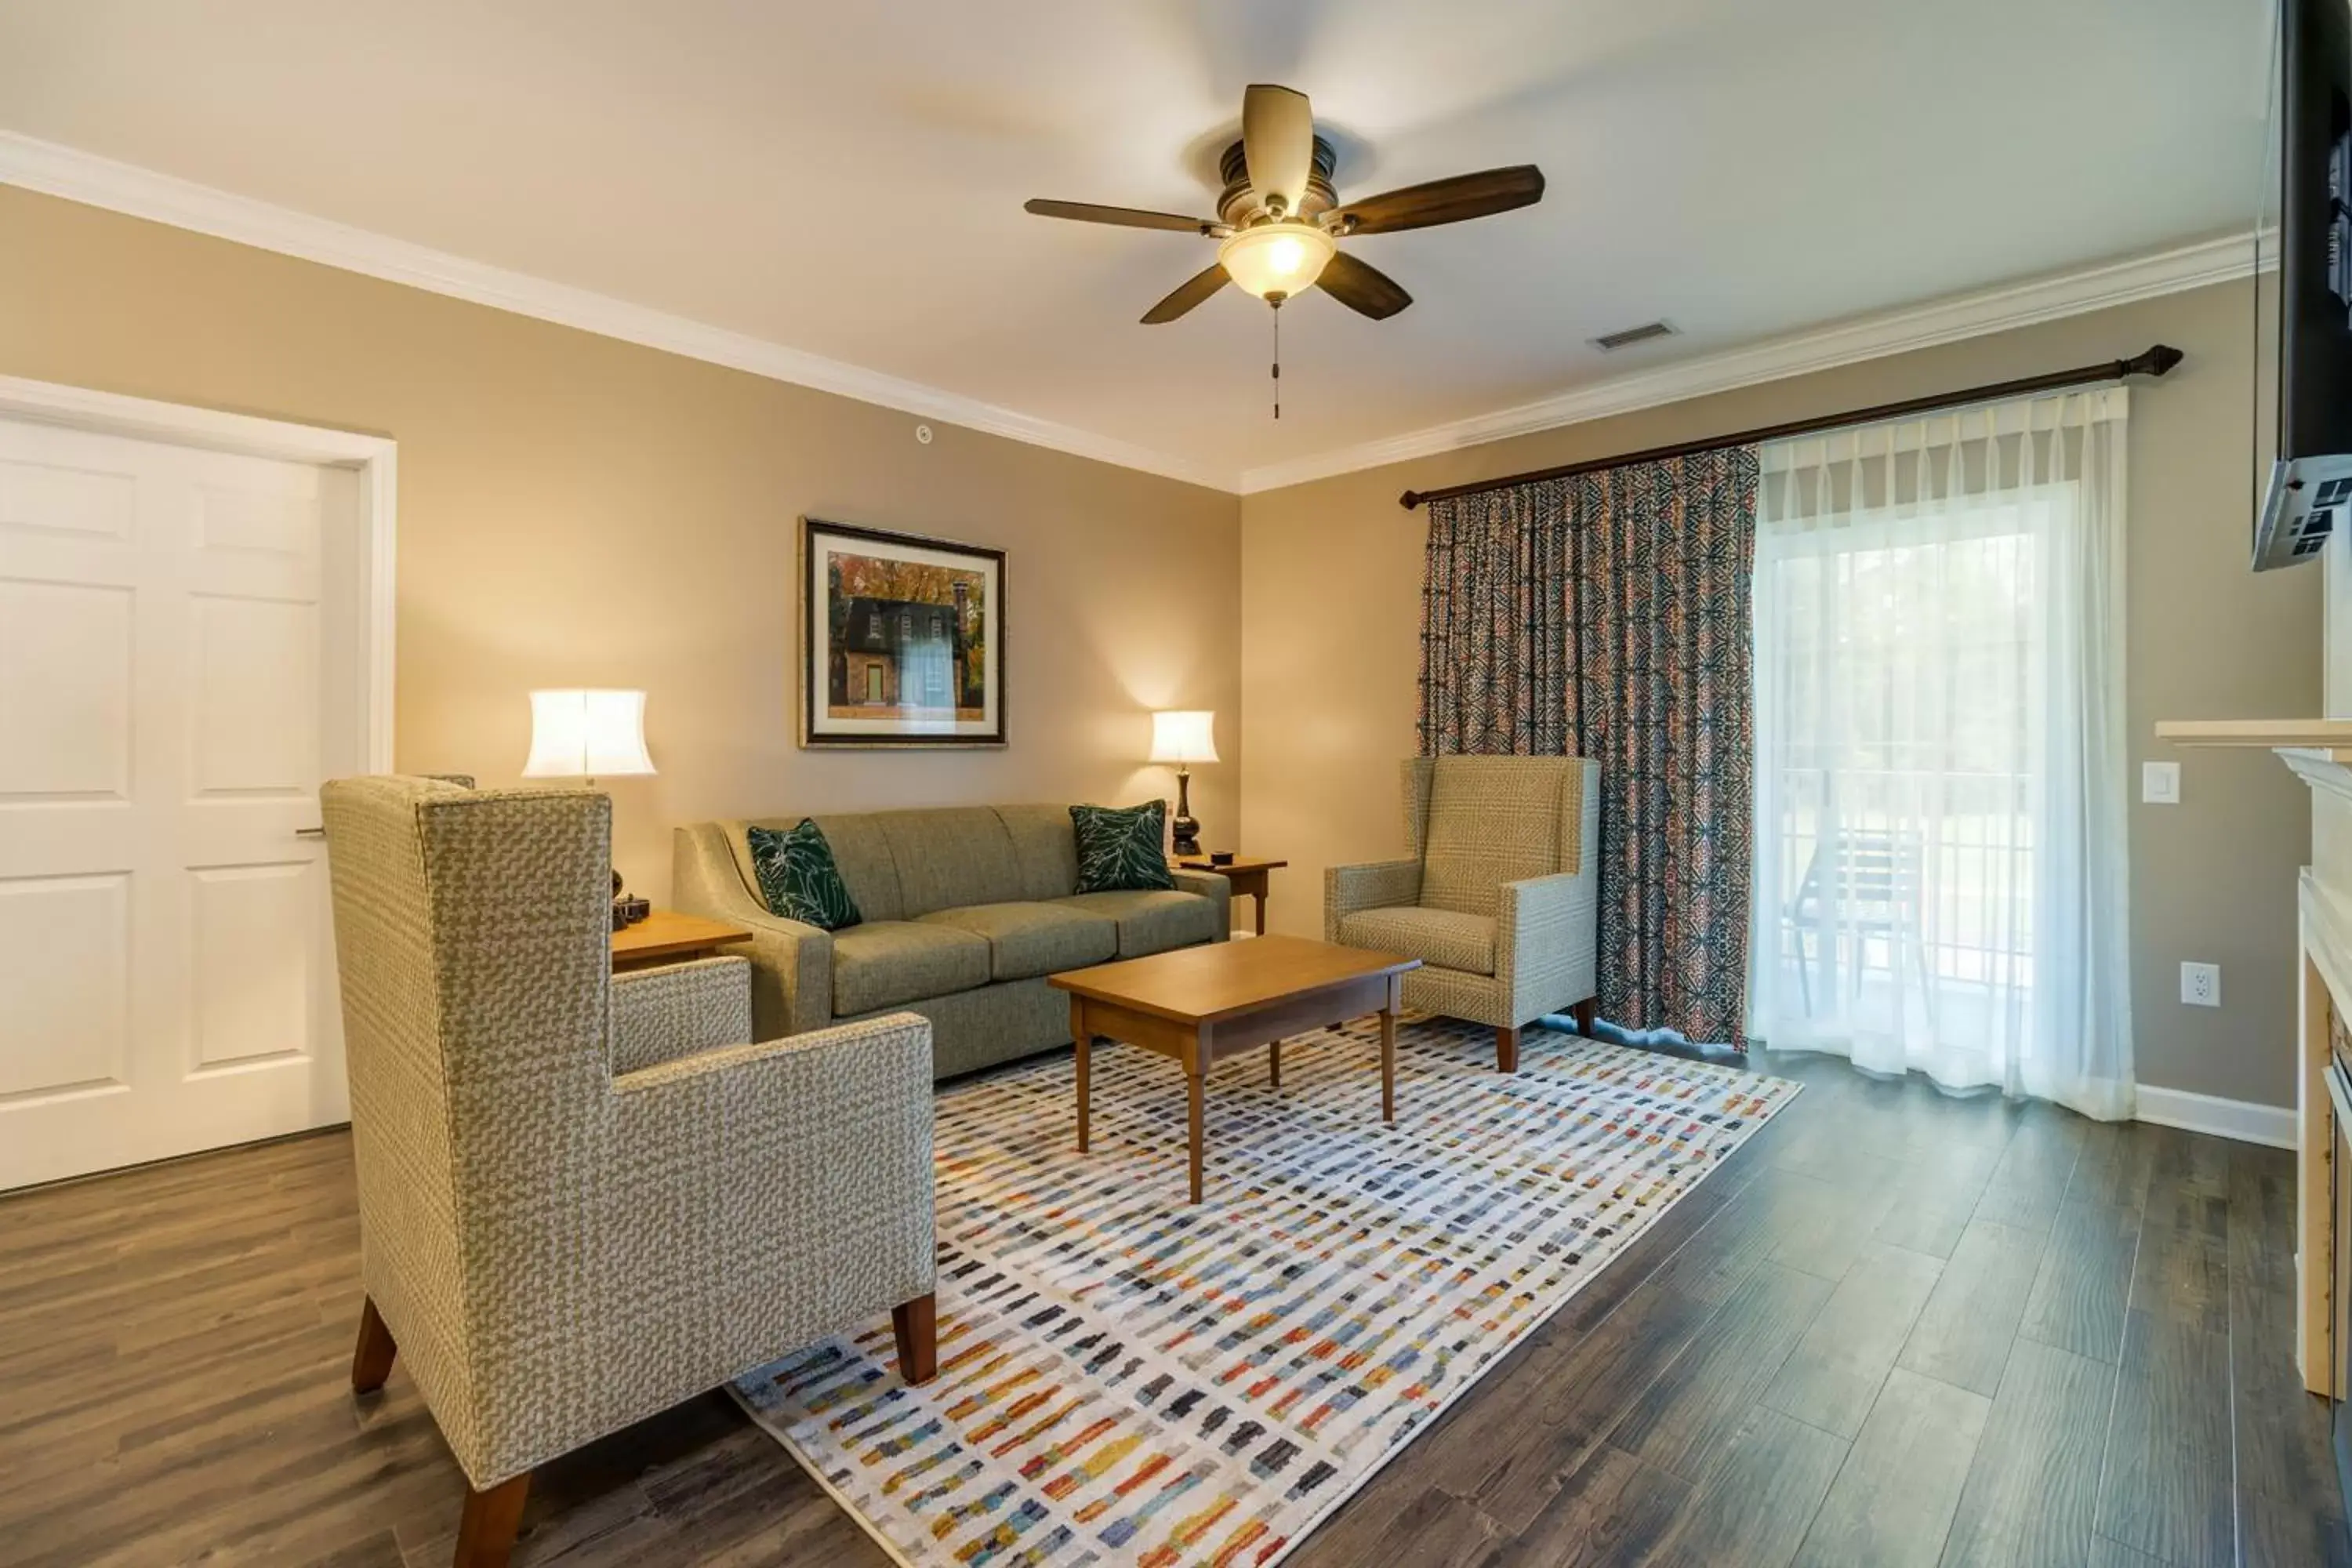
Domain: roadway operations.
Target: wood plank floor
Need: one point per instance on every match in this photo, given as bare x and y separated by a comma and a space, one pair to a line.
1896, 1329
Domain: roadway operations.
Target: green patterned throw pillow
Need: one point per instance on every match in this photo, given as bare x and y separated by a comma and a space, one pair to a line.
1120, 850
799, 879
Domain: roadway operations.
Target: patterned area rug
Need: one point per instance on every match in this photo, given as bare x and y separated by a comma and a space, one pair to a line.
1125, 1379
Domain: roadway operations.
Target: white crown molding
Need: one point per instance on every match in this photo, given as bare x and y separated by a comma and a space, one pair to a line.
85, 177
1846, 342
2243, 1120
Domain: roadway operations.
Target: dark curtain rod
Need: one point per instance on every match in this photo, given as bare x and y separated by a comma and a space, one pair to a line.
2155, 361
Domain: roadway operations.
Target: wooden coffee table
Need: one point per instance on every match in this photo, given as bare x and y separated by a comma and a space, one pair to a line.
1199, 1003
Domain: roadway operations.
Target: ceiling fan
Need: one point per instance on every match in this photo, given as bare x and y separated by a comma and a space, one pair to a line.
1280, 221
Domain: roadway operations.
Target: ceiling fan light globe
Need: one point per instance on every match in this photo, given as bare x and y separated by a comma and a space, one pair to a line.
1272, 258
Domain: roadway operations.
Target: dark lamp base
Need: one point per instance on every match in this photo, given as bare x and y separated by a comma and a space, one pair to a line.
1187, 832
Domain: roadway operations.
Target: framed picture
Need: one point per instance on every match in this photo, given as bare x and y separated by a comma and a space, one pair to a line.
902, 639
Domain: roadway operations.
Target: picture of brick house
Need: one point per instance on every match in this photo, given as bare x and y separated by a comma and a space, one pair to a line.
902, 654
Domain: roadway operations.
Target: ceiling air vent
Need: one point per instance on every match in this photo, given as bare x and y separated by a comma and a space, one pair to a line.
1610, 342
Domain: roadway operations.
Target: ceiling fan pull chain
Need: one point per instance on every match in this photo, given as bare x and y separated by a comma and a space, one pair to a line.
1277, 361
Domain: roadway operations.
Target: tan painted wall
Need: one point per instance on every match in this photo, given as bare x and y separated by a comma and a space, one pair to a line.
579, 511
1330, 592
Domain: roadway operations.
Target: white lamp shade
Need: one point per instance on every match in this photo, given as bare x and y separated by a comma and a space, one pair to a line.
587, 734
1185, 735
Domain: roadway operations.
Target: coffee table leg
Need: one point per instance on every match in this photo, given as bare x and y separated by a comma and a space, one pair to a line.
1194, 1090
1085, 1042
1274, 1064
1387, 1065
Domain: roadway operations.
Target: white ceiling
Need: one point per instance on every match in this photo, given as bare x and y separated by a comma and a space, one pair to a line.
846, 179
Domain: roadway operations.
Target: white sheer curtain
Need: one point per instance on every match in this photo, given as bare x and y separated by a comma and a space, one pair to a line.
1940, 863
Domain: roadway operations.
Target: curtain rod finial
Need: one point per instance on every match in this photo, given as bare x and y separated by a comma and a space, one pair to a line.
2157, 361
1409, 500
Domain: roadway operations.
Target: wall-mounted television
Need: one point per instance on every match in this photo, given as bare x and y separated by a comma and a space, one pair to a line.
2309, 492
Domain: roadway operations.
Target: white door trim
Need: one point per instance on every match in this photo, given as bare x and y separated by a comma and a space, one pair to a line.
374, 457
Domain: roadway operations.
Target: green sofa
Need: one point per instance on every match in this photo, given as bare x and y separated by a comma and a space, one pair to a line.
967, 910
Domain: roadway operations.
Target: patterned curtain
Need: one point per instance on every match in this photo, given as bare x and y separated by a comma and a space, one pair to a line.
1496, 660
1606, 616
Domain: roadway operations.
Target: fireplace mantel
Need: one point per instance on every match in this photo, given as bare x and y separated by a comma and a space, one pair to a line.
2269, 734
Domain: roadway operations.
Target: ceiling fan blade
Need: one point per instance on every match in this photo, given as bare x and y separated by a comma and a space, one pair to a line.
1189, 293
1367, 291
1279, 144
1130, 218
1441, 200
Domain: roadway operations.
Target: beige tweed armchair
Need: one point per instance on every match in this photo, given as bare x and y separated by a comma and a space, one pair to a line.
1498, 899
586, 1198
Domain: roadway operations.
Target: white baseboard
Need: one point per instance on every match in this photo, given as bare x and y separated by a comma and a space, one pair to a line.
2239, 1119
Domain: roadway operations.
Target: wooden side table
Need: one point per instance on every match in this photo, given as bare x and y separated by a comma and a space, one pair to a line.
666, 936
1247, 876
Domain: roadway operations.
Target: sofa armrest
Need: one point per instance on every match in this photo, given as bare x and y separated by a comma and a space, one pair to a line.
792, 1177
1547, 942
659, 1015
792, 975
1378, 885
791, 962
1217, 889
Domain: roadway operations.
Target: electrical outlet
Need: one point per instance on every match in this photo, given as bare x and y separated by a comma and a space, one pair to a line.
2159, 783
2201, 985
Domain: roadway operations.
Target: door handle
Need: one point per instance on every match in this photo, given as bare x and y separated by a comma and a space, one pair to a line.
309, 833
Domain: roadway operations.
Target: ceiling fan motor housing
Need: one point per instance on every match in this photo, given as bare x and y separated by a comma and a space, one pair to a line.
1279, 219
1238, 203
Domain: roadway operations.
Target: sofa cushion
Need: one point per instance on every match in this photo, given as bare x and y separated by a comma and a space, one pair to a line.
1046, 846
798, 879
1121, 848
1446, 938
950, 857
884, 962
1151, 921
1028, 939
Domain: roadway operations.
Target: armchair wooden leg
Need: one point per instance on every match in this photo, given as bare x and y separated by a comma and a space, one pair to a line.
1587, 1013
486, 1530
1506, 1050
915, 1325
372, 1361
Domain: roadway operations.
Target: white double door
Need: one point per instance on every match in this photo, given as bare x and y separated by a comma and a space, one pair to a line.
180, 655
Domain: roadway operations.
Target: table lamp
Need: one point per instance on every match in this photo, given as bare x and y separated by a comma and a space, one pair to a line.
577, 734
1184, 736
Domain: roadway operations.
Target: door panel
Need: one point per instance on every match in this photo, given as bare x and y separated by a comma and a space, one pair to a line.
57, 498
65, 997
253, 710
251, 927
178, 673
65, 691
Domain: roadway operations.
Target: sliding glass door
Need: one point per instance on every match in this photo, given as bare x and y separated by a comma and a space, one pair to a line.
1939, 811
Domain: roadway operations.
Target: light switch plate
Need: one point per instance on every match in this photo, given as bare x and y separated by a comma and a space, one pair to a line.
2159, 783
2201, 985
